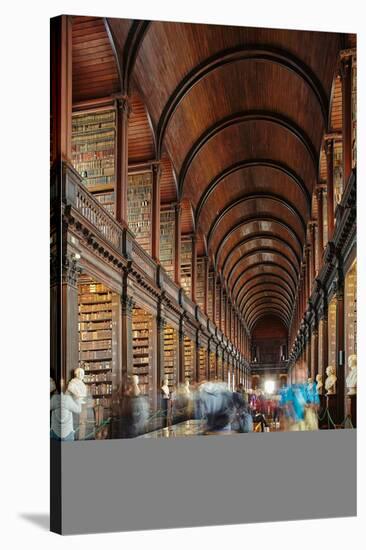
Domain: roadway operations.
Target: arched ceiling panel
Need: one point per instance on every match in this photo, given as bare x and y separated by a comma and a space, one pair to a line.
260, 256
173, 49
247, 229
260, 295
253, 208
254, 140
257, 244
260, 282
255, 180
254, 85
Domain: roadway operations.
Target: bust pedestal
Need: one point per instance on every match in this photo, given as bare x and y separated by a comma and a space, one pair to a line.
352, 408
331, 404
322, 407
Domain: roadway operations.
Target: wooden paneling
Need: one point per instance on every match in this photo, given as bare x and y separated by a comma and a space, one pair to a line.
168, 188
187, 223
94, 70
336, 107
140, 138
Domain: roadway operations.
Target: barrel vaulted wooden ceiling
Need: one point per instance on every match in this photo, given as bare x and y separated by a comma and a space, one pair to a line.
236, 116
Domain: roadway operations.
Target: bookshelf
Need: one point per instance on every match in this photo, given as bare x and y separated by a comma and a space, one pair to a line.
97, 338
332, 327
202, 364
93, 152
212, 365
186, 265
188, 359
167, 221
140, 208
218, 298
170, 355
209, 297
338, 172
200, 284
219, 366
350, 296
354, 111
142, 349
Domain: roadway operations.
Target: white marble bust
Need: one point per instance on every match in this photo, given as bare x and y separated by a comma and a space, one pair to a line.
330, 381
319, 384
351, 380
165, 389
76, 386
135, 390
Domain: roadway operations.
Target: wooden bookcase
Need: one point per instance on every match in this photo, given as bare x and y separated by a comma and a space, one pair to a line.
200, 284
186, 265
97, 339
170, 355
209, 297
188, 359
350, 306
212, 365
167, 223
140, 208
202, 364
93, 153
142, 349
332, 331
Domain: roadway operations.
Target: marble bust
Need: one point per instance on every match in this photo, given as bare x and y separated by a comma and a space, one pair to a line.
330, 381
76, 386
319, 384
135, 390
351, 380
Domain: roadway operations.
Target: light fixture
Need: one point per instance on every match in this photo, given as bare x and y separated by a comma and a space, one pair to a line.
269, 386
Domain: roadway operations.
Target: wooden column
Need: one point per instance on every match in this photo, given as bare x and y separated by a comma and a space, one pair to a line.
61, 87
308, 275
67, 312
123, 112
194, 268
177, 242
155, 226
319, 196
346, 79
329, 151
126, 337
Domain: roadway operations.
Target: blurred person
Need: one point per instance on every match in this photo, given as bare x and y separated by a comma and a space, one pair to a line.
312, 405
62, 407
217, 406
243, 421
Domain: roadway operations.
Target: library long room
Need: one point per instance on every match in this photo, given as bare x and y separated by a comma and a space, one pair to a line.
203, 229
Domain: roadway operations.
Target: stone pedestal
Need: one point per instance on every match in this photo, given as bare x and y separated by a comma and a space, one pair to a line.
352, 408
331, 404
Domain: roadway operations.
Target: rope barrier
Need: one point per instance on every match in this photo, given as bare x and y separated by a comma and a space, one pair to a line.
347, 422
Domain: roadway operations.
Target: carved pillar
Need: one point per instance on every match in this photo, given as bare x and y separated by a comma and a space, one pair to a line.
126, 331
61, 87
319, 196
329, 150
194, 268
346, 79
155, 225
177, 242
123, 113
64, 316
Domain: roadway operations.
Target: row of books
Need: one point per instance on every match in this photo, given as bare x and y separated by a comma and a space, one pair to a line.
96, 345
101, 325
95, 335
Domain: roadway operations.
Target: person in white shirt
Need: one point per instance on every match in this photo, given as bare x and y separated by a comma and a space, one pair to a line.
62, 406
